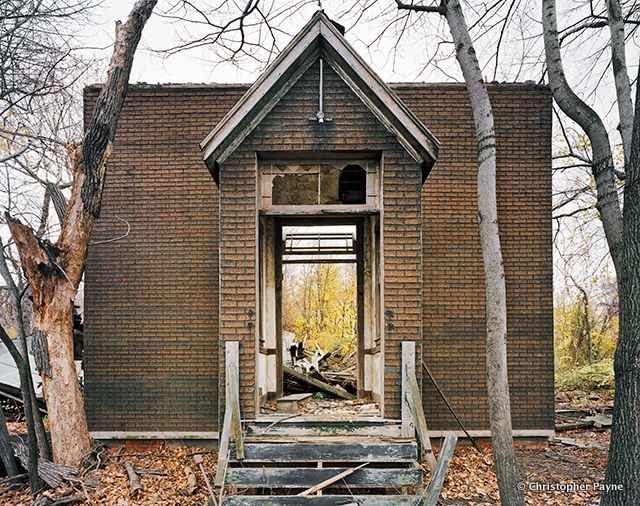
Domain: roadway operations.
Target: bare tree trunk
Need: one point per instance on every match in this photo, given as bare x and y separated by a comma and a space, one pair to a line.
623, 237
35, 483
55, 270
28, 390
608, 204
623, 467
621, 75
496, 296
496, 292
6, 450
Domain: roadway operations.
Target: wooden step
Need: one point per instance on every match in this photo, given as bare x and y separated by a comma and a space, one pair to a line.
299, 427
291, 403
323, 500
346, 451
301, 477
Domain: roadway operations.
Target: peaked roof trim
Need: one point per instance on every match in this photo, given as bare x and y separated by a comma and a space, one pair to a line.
319, 34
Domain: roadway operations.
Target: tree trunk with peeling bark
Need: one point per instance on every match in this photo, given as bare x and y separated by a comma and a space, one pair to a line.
55, 270
28, 390
496, 296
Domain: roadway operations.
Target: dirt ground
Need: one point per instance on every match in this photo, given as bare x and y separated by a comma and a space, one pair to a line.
470, 479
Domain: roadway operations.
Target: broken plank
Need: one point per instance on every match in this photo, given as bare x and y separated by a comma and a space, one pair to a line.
321, 385
314, 452
437, 479
134, 480
420, 421
576, 442
304, 477
600, 420
323, 500
580, 424
331, 480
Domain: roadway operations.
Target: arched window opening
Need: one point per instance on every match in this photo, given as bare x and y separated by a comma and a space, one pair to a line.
353, 185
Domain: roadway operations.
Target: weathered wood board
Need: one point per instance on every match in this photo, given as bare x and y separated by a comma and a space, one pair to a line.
314, 452
323, 500
295, 428
303, 477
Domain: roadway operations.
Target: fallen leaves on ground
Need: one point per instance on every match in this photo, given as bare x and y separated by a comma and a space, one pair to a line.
113, 487
471, 479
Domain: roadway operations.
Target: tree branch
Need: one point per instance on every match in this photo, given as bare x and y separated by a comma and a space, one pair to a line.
439, 9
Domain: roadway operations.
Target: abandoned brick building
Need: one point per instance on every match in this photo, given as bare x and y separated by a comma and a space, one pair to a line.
207, 178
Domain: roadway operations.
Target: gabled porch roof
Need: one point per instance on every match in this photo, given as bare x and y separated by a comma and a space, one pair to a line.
319, 38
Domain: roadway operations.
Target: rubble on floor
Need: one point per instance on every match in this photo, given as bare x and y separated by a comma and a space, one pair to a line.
333, 372
579, 410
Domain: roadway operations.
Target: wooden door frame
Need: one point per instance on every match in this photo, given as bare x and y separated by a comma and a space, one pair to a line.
354, 220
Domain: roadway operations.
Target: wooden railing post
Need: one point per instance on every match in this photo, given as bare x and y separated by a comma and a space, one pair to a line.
413, 419
232, 424
408, 369
232, 398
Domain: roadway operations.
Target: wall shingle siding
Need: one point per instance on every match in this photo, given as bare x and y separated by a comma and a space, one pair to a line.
153, 336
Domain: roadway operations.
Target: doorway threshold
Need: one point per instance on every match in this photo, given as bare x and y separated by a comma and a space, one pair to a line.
324, 417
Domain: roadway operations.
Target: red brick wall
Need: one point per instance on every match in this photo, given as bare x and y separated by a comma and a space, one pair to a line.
151, 299
453, 311
151, 303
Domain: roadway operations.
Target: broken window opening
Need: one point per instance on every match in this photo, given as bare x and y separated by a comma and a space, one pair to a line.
353, 185
318, 184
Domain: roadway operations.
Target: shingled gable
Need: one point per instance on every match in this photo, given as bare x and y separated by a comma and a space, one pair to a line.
319, 38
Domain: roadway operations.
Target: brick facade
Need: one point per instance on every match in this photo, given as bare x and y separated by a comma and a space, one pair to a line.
153, 336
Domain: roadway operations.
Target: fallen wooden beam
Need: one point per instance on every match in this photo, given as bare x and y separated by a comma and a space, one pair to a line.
324, 484
432, 493
579, 424
321, 385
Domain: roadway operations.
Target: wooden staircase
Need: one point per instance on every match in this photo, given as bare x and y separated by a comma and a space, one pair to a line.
287, 461
283, 460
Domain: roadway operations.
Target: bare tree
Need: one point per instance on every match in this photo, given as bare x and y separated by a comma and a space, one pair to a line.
496, 296
54, 270
22, 362
36, 49
621, 231
16, 292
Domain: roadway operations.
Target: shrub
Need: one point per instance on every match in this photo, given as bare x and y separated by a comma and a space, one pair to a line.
597, 376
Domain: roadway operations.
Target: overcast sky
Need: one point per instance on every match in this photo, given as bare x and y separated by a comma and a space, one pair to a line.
404, 62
